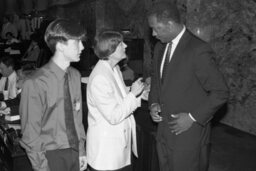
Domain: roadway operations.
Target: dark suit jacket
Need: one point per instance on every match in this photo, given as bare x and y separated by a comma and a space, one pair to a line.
193, 84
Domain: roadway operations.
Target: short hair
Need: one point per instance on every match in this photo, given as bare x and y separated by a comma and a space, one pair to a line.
62, 30
164, 12
8, 61
106, 43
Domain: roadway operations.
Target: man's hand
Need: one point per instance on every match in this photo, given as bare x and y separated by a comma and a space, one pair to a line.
83, 163
154, 112
180, 123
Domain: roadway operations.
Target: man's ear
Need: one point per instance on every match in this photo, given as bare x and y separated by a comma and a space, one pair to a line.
171, 25
11, 68
59, 46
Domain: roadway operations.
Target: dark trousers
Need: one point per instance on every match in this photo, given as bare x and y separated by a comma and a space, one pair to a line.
194, 159
127, 168
63, 160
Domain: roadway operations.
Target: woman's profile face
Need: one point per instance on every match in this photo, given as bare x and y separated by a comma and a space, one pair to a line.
119, 53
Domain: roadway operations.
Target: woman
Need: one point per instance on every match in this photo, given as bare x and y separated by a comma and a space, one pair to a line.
111, 134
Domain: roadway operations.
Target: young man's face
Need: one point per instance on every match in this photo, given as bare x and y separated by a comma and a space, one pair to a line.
72, 50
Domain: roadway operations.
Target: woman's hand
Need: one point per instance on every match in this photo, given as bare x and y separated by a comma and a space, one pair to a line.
137, 87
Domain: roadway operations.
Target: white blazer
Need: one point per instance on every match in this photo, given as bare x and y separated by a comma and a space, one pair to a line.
111, 134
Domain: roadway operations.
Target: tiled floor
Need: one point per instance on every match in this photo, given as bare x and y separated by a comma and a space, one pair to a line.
232, 150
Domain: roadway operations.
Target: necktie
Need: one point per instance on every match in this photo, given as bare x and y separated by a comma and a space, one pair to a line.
166, 61
6, 84
69, 118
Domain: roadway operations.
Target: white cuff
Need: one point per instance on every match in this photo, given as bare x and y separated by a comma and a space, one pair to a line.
191, 117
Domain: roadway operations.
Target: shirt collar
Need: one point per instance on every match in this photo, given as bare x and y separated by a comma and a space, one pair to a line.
178, 37
12, 75
108, 65
57, 70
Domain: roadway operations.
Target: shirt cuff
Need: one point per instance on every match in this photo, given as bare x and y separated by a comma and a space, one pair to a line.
192, 117
3, 105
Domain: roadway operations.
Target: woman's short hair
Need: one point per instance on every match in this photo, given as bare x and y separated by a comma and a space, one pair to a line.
106, 43
62, 30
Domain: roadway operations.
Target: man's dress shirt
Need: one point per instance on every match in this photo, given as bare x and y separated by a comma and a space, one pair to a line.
42, 113
11, 88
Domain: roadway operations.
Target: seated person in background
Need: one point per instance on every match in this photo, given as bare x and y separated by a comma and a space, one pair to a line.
33, 51
10, 39
9, 78
22, 74
8, 26
127, 72
9, 42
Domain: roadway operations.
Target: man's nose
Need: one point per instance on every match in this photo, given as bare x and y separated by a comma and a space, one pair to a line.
81, 46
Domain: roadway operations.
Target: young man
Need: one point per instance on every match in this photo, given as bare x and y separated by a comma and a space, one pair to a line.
50, 107
186, 90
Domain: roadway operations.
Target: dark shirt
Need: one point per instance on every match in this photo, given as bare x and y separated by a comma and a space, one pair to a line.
42, 113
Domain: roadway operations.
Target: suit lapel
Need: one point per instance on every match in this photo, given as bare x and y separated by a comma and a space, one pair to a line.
177, 55
159, 61
121, 79
160, 53
111, 75
180, 48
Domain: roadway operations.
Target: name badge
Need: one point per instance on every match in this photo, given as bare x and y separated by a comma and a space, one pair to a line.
77, 106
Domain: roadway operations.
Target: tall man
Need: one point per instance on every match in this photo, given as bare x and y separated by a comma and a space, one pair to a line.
50, 107
186, 91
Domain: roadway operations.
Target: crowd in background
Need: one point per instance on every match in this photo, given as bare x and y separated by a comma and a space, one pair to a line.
21, 52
